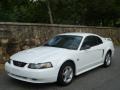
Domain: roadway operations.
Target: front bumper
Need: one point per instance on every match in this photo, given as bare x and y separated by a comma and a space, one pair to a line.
32, 75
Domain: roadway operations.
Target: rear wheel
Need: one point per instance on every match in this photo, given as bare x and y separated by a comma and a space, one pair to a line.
107, 61
66, 74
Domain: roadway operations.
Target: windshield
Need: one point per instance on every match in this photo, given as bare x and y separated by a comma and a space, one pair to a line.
65, 41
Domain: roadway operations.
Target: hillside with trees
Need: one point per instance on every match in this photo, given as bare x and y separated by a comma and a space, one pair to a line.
75, 12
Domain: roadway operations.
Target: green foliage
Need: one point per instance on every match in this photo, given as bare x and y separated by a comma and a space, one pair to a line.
80, 12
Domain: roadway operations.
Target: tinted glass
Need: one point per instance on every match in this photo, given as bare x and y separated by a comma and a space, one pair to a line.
91, 41
98, 40
65, 41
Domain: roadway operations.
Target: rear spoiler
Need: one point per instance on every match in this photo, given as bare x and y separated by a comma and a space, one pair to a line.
109, 39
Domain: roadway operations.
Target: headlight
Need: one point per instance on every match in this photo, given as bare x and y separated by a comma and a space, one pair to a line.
40, 65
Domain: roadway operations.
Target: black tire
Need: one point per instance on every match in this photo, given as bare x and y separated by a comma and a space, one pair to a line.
107, 61
61, 77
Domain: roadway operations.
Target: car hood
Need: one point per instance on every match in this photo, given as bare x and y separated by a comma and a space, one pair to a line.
40, 54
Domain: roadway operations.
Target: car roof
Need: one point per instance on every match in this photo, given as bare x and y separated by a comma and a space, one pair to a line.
79, 34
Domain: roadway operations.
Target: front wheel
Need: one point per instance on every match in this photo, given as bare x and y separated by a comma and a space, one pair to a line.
66, 74
107, 61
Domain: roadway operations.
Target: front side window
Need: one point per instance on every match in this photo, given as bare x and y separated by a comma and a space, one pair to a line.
91, 41
65, 41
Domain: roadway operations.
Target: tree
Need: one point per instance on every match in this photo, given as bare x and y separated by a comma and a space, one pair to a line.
80, 12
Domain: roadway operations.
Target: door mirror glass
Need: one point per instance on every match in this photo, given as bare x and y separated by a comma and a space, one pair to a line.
86, 47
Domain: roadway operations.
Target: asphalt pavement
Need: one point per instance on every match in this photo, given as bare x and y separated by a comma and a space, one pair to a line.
97, 79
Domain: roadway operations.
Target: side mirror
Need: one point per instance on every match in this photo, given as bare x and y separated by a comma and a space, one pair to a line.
85, 47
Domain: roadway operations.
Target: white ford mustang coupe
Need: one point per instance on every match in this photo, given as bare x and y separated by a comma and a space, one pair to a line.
61, 58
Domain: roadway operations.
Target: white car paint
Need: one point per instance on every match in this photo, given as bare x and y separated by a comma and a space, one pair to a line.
84, 60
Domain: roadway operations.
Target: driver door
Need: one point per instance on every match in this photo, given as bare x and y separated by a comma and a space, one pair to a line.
90, 53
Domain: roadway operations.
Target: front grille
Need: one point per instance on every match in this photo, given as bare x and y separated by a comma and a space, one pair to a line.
19, 64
